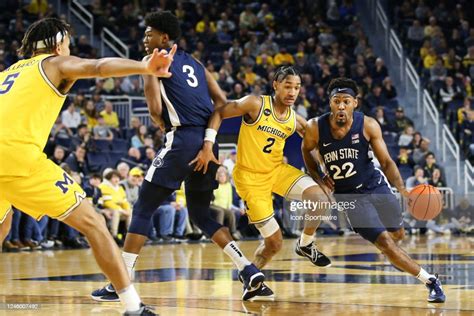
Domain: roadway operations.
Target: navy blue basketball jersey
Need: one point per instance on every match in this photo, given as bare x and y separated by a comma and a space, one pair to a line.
347, 160
185, 95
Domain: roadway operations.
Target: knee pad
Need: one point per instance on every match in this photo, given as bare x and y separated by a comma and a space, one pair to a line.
198, 203
150, 198
268, 227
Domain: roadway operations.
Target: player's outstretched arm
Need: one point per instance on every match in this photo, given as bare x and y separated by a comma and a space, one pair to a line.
67, 69
249, 105
373, 132
310, 146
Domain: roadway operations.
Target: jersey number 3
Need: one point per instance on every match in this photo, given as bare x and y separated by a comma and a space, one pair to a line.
348, 167
8, 83
192, 81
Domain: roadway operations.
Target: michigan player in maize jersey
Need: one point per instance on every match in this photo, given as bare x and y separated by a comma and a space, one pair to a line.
267, 122
183, 104
343, 137
32, 92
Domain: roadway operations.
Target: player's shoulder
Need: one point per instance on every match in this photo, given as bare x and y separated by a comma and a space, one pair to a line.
369, 121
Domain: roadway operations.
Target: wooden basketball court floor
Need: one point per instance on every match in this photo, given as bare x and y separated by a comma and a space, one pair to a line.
198, 279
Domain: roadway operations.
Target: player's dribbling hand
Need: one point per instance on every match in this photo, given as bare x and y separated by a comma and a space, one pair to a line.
160, 61
328, 182
204, 156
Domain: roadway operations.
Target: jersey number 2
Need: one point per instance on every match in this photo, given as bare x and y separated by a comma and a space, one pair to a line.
192, 81
9, 81
268, 149
349, 166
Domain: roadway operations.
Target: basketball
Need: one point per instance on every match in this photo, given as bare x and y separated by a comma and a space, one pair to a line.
425, 202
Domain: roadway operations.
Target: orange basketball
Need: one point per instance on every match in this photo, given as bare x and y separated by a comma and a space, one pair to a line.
425, 202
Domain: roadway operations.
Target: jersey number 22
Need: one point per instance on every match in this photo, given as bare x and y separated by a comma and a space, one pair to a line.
348, 167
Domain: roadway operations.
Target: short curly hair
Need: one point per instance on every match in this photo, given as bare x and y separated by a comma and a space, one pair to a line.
342, 82
166, 22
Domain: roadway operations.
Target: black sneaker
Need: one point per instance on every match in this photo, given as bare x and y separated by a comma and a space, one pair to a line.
105, 294
144, 310
311, 252
260, 293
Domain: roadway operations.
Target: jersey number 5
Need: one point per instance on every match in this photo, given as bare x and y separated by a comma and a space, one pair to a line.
9, 81
192, 81
268, 149
348, 167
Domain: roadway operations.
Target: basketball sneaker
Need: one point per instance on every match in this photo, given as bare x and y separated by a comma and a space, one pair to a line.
313, 254
105, 294
254, 288
144, 310
436, 294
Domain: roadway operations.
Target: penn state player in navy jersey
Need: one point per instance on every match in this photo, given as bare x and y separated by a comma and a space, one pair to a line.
342, 138
182, 104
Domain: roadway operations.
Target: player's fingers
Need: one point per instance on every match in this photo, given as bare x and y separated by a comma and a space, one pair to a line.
205, 168
173, 50
193, 161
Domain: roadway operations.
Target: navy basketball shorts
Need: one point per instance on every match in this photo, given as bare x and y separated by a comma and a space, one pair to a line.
374, 212
171, 164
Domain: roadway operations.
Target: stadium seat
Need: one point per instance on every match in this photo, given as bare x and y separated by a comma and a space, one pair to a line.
97, 161
120, 145
102, 145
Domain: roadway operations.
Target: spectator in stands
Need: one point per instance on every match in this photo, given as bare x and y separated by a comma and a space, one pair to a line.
468, 59
401, 121
90, 114
376, 98
94, 195
417, 139
406, 137
420, 153
448, 91
133, 158
138, 139
388, 89
230, 161
225, 22
84, 49
248, 19
123, 170
170, 219
467, 132
115, 199
110, 116
82, 137
117, 89
283, 58
436, 180
269, 47
58, 155
380, 71
416, 34
463, 112
404, 158
77, 161
417, 178
221, 206
150, 154
70, 118
430, 59
102, 131
237, 92
430, 165
438, 74
131, 185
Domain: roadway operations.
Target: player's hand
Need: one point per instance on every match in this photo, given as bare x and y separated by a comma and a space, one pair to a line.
404, 192
204, 156
328, 182
160, 61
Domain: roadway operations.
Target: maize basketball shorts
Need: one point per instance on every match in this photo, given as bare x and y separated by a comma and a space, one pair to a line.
47, 190
5, 208
256, 189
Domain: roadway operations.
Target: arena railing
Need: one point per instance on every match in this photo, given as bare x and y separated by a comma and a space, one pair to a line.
83, 15
114, 43
410, 80
449, 142
468, 177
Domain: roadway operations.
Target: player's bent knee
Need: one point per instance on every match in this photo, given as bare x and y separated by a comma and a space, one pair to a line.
274, 243
385, 242
398, 235
268, 228
315, 192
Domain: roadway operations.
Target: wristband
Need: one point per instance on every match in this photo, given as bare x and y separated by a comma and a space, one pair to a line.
210, 135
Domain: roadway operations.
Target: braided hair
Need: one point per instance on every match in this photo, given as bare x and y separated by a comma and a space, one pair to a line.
43, 30
284, 71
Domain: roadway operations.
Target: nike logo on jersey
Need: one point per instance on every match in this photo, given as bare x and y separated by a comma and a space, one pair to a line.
326, 145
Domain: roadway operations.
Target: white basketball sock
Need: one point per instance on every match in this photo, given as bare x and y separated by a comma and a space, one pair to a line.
130, 259
305, 240
424, 276
129, 297
237, 256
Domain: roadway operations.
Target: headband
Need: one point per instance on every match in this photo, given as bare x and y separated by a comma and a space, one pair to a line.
59, 38
342, 90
